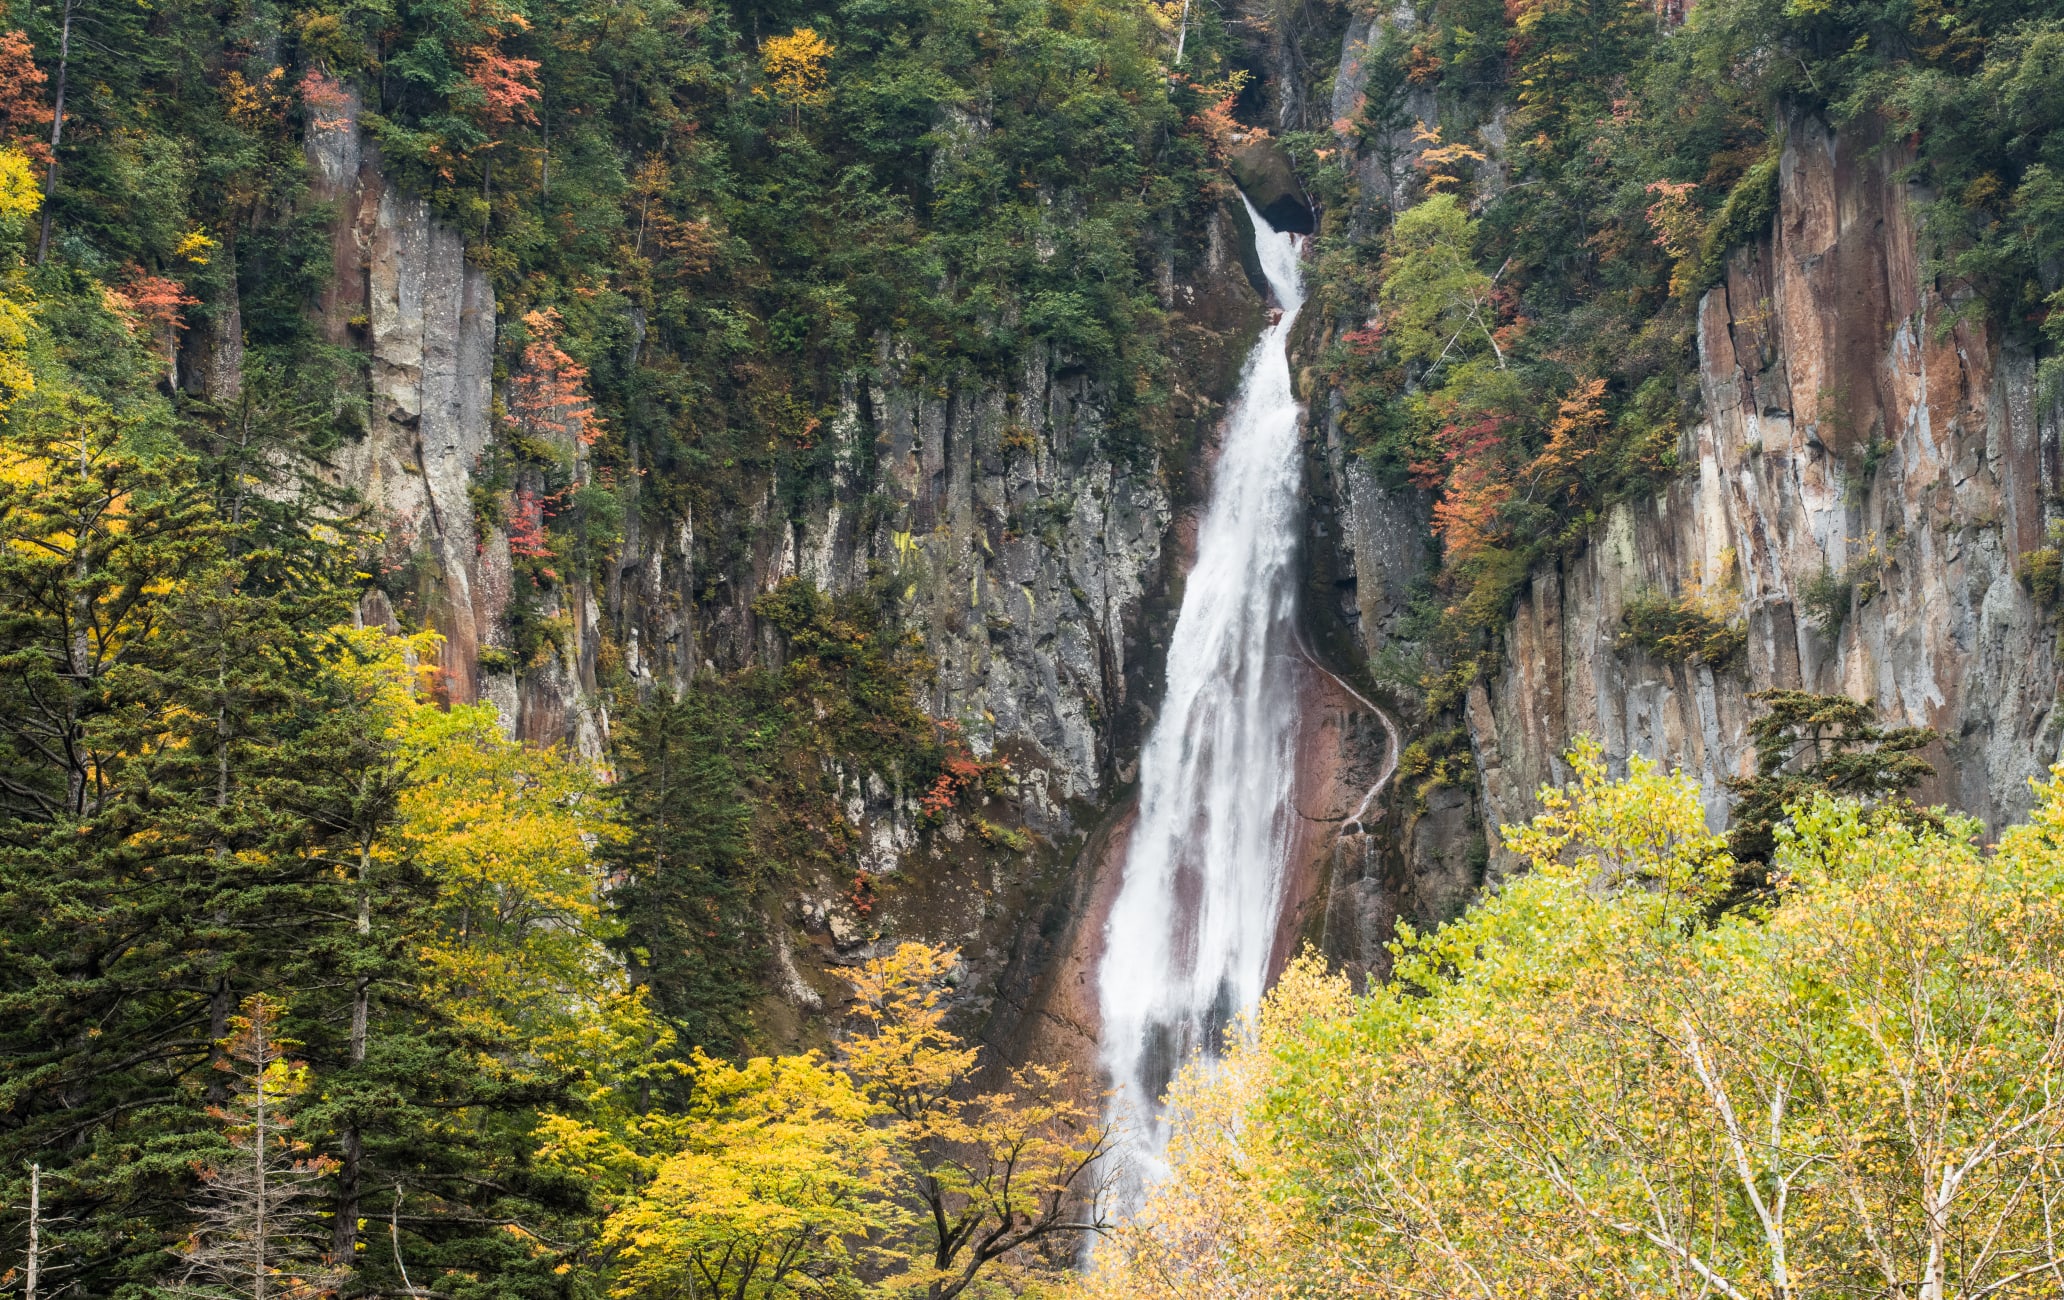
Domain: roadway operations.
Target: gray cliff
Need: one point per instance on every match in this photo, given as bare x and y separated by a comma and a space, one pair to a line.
1035, 556
1866, 484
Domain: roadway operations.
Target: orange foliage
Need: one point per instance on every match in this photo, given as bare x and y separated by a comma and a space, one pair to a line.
1574, 437
1440, 161
1474, 480
1422, 66
507, 85
547, 397
1672, 217
682, 248
527, 526
689, 246
150, 300
328, 100
24, 117
1466, 515
1217, 125
961, 772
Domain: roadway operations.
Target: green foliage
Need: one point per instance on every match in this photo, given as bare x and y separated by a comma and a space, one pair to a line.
1685, 629
1590, 1083
725, 794
1589, 172
208, 793
1443, 760
2042, 572
1824, 599
687, 877
1809, 744
1435, 297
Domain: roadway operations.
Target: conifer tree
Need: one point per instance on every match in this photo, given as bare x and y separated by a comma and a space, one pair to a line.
178, 766
258, 1235
685, 895
1808, 744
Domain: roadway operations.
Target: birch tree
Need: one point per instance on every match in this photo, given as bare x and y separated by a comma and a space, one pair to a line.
1590, 1085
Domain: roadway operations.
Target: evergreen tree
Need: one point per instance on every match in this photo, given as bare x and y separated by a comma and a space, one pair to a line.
1808, 744
684, 883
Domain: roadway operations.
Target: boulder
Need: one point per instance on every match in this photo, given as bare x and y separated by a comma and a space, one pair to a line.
1263, 172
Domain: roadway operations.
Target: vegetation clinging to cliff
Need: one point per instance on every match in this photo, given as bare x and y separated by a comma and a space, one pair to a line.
1583, 171
703, 227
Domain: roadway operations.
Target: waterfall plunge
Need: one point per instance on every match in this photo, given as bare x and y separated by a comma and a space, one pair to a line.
1188, 942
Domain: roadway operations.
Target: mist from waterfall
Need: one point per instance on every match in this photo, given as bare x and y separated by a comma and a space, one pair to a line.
1189, 937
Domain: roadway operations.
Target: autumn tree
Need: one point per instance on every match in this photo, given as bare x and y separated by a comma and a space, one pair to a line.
1588, 1086
259, 1235
547, 397
19, 199
1215, 1227
780, 1186
24, 113
994, 1172
890, 1164
483, 998
795, 67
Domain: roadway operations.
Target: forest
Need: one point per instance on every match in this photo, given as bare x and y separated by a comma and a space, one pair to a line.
318, 979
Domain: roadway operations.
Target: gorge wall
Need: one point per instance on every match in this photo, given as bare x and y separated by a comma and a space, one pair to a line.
1853, 427
1033, 556
1868, 490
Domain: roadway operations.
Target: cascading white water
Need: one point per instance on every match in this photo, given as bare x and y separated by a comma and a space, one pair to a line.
1188, 941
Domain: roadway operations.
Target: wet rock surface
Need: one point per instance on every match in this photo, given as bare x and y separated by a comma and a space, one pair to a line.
1264, 173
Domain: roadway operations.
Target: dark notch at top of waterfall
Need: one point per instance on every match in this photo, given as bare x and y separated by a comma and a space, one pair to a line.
1261, 168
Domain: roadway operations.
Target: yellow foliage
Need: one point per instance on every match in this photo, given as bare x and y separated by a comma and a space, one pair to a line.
1216, 1226
20, 196
508, 833
797, 1176
196, 246
1647, 830
19, 199
794, 65
777, 1186
1590, 1085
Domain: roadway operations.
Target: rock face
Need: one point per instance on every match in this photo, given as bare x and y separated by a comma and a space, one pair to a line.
1867, 474
1035, 553
1029, 548
1418, 854
404, 291
1265, 175
1866, 480
1851, 429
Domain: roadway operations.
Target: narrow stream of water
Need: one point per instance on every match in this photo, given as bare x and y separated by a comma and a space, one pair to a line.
1188, 942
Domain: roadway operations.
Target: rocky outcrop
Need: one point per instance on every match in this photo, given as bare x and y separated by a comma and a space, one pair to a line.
1032, 549
1262, 169
403, 290
1027, 547
1418, 853
1868, 473
1865, 483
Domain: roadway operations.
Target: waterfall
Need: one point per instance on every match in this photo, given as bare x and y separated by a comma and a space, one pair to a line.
1188, 942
